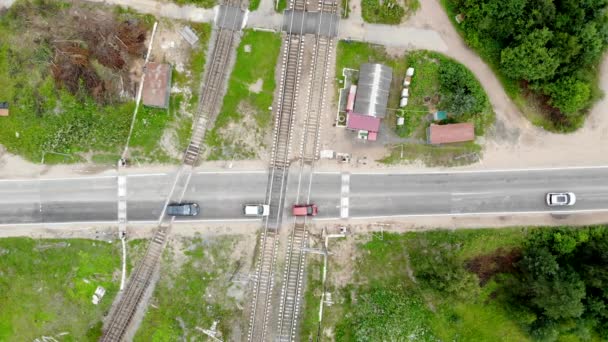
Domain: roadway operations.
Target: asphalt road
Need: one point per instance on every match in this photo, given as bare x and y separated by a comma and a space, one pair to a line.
222, 195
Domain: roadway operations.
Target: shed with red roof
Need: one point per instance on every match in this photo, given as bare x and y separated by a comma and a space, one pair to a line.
451, 133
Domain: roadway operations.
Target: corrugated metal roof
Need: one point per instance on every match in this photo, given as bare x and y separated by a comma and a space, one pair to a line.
445, 134
372, 89
157, 85
363, 122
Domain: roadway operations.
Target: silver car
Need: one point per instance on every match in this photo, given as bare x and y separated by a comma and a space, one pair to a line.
560, 198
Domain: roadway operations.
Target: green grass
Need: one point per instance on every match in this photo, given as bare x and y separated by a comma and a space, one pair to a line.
195, 293
254, 5
265, 48
448, 155
281, 6
312, 297
46, 287
383, 302
50, 122
345, 9
198, 3
386, 12
389, 12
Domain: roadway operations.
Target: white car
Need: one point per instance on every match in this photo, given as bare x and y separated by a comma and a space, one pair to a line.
560, 198
256, 210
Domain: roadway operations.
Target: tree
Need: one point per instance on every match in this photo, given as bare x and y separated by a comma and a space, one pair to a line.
559, 297
531, 59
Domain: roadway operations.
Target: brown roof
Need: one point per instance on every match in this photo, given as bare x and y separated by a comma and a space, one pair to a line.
157, 85
444, 134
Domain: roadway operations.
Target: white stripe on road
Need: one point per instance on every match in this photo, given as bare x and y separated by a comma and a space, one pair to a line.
344, 195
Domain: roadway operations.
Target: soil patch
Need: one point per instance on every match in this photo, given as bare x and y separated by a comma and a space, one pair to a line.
488, 265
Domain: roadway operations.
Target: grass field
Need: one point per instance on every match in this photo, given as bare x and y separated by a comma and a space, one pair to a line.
381, 295
245, 116
193, 291
50, 124
46, 286
198, 3
387, 12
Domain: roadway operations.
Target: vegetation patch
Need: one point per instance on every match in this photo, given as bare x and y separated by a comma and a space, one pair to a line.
198, 3
69, 80
439, 84
456, 154
194, 291
47, 287
280, 6
254, 5
546, 54
516, 284
240, 128
387, 12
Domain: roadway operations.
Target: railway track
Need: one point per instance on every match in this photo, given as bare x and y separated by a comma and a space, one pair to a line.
211, 95
293, 277
291, 291
208, 106
279, 166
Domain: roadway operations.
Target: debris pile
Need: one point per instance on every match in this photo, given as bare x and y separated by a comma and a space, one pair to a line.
110, 43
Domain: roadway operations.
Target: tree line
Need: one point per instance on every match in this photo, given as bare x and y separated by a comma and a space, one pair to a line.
551, 46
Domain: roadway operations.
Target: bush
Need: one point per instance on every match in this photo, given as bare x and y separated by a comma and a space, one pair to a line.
389, 12
387, 314
568, 94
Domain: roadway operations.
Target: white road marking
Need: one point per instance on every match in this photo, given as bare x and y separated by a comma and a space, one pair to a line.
565, 168
344, 195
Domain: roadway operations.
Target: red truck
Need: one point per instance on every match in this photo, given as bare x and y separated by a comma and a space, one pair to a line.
305, 210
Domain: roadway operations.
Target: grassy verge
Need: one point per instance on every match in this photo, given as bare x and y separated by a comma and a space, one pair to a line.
312, 298
281, 6
345, 9
198, 3
387, 12
449, 155
47, 286
245, 116
194, 291
385, 280
254, 5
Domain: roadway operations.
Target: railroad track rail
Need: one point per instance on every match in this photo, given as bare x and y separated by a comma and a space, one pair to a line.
279, 165
208, 106
140, 280
209, 102
293, 277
